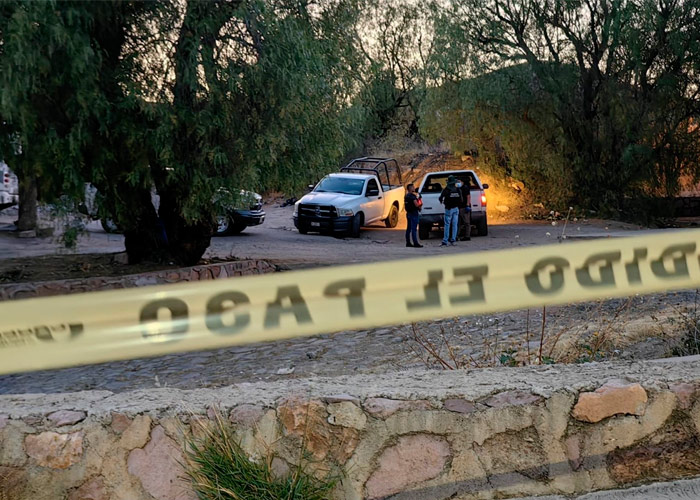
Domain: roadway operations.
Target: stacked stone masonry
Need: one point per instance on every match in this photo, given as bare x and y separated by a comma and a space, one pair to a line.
14, 291
486, 434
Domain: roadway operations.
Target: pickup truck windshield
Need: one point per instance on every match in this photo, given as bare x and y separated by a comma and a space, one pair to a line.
437, 182
342, 185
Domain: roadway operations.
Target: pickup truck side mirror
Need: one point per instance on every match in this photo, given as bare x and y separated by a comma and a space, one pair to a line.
372, 192
486, 186
310, 187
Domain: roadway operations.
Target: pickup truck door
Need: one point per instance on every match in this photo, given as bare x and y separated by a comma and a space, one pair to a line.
430, 191
373, 203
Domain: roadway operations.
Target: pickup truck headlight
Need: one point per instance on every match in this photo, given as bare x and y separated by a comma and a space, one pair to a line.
296, 209
345, 212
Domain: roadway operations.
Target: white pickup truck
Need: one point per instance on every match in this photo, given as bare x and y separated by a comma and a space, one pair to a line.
433, 214
366, 191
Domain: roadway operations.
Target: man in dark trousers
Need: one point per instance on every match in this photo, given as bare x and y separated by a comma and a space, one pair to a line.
465, 211
413, 205
451, 197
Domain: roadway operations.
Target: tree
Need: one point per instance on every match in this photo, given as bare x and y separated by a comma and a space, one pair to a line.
506, 119
191, 100
37, 60
395, 44
624, 127
63, 103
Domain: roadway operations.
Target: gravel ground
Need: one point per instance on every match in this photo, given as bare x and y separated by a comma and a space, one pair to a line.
641, 328
625, 330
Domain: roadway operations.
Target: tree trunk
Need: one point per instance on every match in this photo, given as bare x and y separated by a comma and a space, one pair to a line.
27, 203
187, 241
144, 237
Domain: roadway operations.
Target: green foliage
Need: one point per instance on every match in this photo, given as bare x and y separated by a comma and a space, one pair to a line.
504, 117
589, 354
47, 70
190, 97
303, 126
184, 97
394, 42
592, 103
507, 357
221, 470
66, 216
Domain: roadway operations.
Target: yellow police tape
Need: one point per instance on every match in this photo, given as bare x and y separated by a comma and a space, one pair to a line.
90, 328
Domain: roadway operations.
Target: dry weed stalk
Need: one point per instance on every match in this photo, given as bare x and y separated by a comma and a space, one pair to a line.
544, 323
431, 349
592, 347
439, 353
690, 335
527, 336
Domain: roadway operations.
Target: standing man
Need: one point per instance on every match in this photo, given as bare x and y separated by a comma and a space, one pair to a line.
413, 205
465, 210
451, 197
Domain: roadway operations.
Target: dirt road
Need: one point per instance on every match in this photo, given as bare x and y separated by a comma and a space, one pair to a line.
279, 241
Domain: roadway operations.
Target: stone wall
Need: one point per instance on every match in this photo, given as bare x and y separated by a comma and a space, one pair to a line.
196, 273
492, 433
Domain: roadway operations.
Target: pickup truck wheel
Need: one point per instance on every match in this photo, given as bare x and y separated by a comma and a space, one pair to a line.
356, 225
482, 227
393, 218
423, 231
223, 225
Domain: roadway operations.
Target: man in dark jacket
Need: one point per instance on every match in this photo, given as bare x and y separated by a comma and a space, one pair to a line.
413, 205
465, 211
451, 197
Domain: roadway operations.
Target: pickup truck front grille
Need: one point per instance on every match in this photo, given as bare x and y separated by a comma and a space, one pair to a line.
317, 211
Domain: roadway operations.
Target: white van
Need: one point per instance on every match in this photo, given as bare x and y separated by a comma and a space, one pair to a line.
9, 187
433, 214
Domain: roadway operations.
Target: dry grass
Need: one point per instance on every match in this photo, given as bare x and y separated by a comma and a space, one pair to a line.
595, 341
438, 352
592, 332
687, 324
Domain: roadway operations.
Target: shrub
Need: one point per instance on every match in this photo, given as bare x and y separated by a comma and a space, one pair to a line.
220, 469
